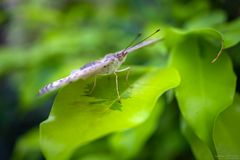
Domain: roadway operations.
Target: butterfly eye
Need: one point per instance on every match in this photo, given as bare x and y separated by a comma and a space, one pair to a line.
124, 53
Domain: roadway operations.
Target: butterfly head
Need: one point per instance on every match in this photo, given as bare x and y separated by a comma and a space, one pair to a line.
121, 56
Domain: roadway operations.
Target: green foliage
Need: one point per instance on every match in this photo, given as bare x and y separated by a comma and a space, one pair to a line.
203, 92
131, 142
159, 116
202, 95
200, 149
230, 32
76, 115
226, 133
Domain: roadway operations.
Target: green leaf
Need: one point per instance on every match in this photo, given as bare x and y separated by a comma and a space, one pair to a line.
167, 142
130, 142
231, 33
98, 149
227, 130
206, 89
199, 148
206, 20
175, 36
76, 118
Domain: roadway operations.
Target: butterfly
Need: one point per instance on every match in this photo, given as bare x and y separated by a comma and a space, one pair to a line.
109, 64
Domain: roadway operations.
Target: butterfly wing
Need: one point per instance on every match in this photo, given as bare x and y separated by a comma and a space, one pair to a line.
89, 70
54, 85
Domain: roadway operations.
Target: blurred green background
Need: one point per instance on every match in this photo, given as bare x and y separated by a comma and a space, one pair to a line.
42, 40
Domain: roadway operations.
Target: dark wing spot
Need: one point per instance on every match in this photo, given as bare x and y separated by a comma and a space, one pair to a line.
88, 65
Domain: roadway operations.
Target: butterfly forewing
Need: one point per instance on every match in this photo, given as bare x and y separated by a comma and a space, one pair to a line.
88, 70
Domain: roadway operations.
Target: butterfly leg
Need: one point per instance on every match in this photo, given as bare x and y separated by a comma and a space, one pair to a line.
94, 85
128, 71
117, 89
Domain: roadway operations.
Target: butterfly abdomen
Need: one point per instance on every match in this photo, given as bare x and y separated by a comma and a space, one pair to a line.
54, 85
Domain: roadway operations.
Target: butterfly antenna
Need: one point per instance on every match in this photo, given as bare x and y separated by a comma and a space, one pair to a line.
133, 41
148, 37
